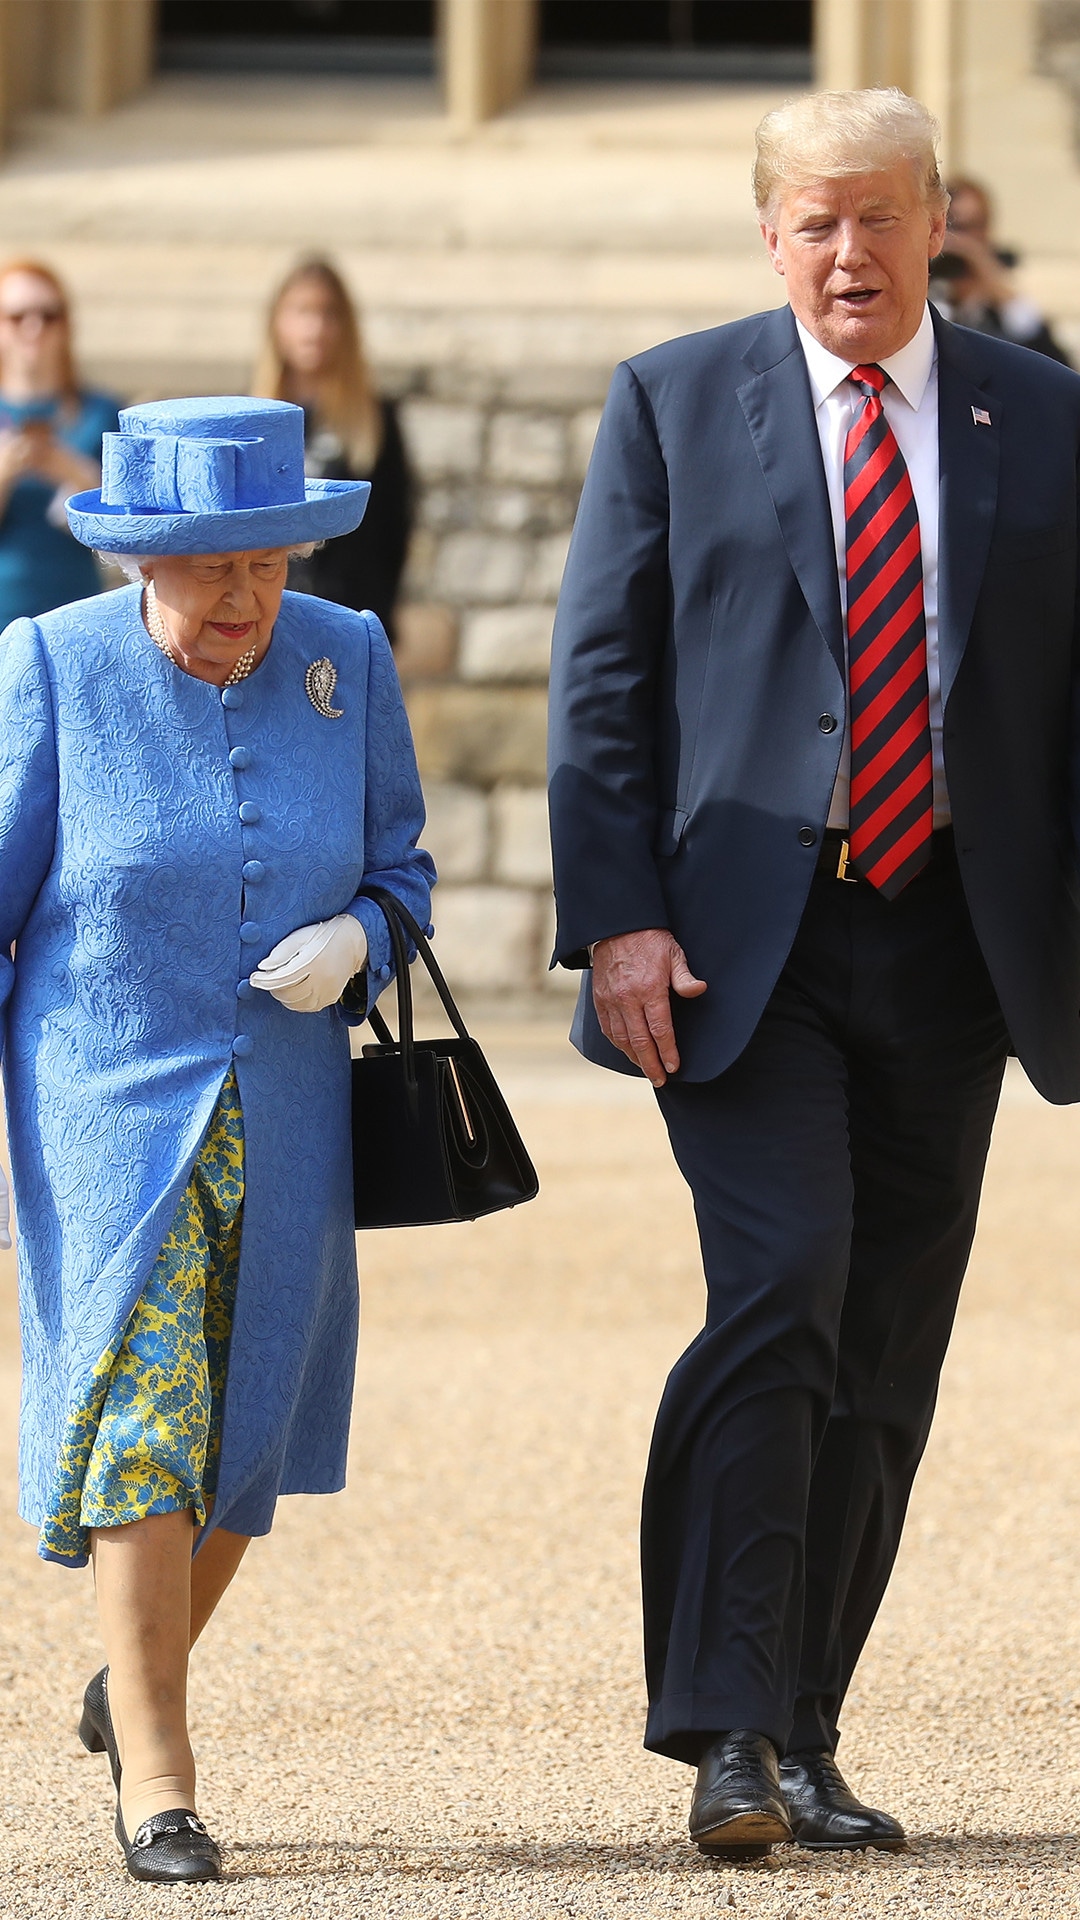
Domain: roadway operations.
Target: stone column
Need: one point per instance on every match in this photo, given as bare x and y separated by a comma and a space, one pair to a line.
83, 56
22, 50
894, 43
100, 52
488, 48
935, 69
863, 43
841, 43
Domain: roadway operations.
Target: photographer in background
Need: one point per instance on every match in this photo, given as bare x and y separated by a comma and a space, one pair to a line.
971, 281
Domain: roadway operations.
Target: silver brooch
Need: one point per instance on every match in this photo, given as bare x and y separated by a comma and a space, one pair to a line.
320, 681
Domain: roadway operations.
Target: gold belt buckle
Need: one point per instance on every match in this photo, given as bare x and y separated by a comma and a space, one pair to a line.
843, 863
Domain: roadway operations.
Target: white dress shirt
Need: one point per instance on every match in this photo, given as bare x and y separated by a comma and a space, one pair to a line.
911, 407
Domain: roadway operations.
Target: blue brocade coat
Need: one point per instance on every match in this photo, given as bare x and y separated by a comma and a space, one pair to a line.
158, 836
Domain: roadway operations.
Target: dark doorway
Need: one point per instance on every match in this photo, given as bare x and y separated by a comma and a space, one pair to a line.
695, 38
384, 36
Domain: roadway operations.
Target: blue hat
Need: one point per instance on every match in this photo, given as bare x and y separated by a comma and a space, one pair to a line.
211, 476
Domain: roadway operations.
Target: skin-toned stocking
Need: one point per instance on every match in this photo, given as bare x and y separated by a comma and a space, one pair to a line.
211, 1572
142, 1574
153, 1602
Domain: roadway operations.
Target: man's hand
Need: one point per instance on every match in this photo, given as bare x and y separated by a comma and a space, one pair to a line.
634, 976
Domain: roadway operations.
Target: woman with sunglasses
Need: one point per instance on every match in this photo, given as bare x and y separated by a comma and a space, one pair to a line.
50, 446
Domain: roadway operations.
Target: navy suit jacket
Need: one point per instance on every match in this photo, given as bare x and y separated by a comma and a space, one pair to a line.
699, 648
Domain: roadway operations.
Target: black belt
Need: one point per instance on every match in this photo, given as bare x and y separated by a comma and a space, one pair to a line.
834, 858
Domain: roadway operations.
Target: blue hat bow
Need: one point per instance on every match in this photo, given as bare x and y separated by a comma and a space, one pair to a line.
171, 473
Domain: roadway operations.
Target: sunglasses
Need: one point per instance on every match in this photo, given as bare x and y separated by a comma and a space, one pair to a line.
47, 315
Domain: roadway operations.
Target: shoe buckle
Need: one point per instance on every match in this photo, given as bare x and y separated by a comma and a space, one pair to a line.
148, 1833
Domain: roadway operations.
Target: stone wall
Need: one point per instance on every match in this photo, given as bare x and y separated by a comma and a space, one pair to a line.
1059, 49
499, 461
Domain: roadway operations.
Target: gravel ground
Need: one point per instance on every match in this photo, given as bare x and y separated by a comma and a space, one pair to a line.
423, 1697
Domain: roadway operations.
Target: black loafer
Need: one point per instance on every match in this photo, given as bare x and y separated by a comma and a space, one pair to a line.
170, 1846
738, 1809
824, 1812
96, 1727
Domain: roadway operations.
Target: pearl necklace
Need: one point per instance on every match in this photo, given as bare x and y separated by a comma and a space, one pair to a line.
158, 635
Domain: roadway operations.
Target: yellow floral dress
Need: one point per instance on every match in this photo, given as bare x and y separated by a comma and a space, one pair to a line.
147, 1438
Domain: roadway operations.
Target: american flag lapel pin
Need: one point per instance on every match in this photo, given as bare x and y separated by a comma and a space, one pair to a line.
981, 417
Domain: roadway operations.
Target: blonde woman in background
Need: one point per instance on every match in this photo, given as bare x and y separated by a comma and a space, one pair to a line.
313, 356
50, 445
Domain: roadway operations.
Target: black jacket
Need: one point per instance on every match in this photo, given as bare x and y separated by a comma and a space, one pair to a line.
362, 569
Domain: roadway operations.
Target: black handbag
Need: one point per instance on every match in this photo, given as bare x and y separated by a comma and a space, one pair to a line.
432, 1137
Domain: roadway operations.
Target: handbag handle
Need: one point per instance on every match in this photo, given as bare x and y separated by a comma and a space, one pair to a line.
400, 921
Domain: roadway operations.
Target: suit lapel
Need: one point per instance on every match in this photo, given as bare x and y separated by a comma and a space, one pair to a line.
969, 452
779, 412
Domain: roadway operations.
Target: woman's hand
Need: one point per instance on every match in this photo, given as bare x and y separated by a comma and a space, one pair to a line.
15, 459
311, 968
61, 465
5, 1211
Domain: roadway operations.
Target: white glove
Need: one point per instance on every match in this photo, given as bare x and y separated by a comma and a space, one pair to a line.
310, 968
5, 1212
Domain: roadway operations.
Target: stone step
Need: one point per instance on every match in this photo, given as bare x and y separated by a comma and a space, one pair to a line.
583, 227
389, 197
580, 228
148, 305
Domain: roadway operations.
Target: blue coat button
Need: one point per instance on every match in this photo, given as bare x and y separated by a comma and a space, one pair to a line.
242, 1045
240, 757
232, 696
245, 990
807, 836
250, 932
253, 870
249, 813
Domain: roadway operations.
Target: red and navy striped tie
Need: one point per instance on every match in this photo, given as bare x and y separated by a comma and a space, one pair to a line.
892, 778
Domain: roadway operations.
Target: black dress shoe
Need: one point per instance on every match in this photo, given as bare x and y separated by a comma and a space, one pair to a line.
170, 1846
96, 1727
824, 1812
738, 1809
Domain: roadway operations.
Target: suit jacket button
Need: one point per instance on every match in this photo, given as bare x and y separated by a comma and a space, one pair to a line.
827, 723
807, 836
242, 1045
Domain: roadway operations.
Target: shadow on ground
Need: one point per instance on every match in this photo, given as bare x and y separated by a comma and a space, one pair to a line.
1008, 1853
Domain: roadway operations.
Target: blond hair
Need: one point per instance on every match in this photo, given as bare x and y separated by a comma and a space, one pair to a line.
830, 136
347, 401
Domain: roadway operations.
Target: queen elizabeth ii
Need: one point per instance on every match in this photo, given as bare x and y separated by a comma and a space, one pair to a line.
199, 775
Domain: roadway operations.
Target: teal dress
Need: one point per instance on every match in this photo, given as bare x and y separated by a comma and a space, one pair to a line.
41, 565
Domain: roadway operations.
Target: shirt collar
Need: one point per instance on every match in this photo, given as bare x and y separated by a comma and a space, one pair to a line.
909, 370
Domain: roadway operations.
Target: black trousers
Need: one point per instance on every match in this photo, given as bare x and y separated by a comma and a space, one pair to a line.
836, 1170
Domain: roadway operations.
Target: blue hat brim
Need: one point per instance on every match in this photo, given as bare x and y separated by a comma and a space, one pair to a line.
330, 507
